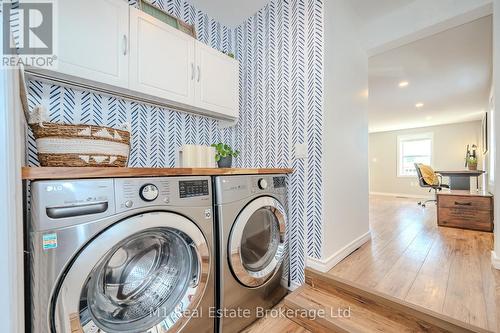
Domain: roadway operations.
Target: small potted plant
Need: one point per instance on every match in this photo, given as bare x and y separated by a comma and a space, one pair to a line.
472, 162
471, 157
224, 155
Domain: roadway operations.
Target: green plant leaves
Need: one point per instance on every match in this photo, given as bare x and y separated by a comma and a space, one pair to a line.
224, 150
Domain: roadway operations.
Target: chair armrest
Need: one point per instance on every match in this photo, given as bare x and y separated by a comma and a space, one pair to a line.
440, 176
422, 181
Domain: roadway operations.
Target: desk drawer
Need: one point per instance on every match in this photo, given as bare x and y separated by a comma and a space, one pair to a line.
466, 218
465, 202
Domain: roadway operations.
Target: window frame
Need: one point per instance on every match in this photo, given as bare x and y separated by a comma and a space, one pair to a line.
412, 137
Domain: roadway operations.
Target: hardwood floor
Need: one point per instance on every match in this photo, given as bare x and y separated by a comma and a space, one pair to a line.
271, 324
442, 269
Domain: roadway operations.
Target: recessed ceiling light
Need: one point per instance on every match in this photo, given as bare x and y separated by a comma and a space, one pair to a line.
419, 105
403, 84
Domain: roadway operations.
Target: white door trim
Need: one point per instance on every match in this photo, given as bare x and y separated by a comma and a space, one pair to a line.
11, 198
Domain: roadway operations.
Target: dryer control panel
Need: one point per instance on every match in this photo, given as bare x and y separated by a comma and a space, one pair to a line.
233, 188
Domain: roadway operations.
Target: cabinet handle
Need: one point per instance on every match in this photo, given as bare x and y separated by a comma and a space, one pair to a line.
193, 71
463, 203
199, 73
125, 46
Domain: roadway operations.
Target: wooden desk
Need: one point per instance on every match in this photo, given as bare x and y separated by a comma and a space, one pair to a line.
460, 180
465, 210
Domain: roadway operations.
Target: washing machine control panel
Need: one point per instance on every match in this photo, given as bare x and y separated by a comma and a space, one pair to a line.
193, 188
132, 193
262, 183
149, 192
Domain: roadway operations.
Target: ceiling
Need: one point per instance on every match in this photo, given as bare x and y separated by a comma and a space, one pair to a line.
450, 73
229, 12
234, 12
368, 10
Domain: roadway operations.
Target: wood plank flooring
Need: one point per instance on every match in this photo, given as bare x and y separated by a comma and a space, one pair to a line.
271, 324
368, 309
442, 269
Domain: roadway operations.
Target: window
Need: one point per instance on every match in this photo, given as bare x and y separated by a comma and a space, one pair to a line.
413, 149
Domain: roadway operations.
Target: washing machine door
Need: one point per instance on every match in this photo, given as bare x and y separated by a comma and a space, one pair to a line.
143, 274
257, 241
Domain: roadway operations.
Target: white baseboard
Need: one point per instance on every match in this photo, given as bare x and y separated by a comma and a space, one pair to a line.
328, 263
404, 195
495, 260
293, 286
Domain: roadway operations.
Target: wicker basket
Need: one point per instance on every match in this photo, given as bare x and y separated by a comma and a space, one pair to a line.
61, 145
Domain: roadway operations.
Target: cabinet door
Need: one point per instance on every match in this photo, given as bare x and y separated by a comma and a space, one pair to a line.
92, 40
217, 81
161, 59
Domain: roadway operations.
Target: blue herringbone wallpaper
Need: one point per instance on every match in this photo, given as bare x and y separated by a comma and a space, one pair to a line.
281, 53
280, 50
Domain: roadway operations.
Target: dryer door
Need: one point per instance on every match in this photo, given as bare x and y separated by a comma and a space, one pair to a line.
140, 275
257, 242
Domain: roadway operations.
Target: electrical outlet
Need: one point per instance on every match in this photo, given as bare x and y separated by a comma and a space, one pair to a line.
300, 151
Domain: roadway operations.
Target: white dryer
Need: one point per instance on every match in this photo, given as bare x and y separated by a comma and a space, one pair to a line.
253, 247
122, 255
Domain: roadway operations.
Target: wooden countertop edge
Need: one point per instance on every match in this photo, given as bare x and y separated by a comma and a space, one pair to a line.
40, 173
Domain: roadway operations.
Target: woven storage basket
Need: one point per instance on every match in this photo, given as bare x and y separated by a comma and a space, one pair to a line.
61, 145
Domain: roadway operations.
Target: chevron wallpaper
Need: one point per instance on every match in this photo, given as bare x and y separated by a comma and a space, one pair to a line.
280, 50
281, 53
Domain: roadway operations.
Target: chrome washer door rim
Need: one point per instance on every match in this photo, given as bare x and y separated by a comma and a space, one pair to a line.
245, 276
67, 307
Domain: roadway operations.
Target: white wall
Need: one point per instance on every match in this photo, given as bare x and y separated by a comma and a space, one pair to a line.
496, 80
345, 142
489, 158
449, 143
420, 19
11, 222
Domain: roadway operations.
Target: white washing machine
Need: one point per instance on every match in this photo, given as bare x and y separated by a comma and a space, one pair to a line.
253, 247
122, 255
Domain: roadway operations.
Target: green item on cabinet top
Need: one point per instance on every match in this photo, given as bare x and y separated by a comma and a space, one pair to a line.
159, 14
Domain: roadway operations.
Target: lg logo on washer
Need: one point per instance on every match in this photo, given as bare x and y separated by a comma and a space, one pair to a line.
54, 188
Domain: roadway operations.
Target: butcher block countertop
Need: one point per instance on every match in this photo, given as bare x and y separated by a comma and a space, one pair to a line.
39, 173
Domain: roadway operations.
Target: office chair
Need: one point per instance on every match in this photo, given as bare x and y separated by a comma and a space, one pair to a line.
432, 187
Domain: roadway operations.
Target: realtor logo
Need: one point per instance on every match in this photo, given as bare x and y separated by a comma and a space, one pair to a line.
28, 33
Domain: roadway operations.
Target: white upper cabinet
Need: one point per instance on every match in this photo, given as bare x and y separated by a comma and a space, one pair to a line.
93, 40
110, 42
217, 81
162, 60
